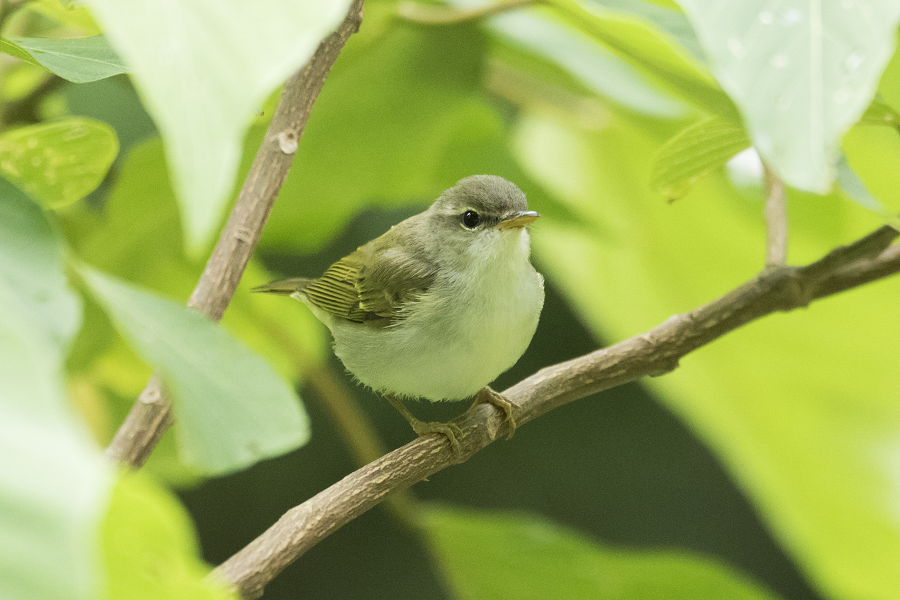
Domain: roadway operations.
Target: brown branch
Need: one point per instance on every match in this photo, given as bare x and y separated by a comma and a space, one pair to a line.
656, 352
150, 416
776, 219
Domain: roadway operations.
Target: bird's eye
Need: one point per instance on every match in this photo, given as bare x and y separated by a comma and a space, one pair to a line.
471, 219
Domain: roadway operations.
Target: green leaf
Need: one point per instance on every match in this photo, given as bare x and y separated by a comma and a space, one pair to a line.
58, 163
150, 547
880, 113
666, 18
801, 73
545, 35
855, 189
53, 488
694, 152
202, 69
31, 265
799, 407
592, 64
231, 409
866, 169
17, 51
889, 85
652, 51
78, 60
523, 557
53, 481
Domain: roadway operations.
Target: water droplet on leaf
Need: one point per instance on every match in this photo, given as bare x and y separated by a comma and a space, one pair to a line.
854, 60
736, 47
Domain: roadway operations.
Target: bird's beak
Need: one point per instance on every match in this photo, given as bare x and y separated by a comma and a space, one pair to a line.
518, 220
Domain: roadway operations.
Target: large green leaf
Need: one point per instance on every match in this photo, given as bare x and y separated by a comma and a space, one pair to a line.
522, 557
657, 41
880, 113
77, 59
543, 34
800, 407
650, 49
855, 190
151, 549
872, 152
668, 18
231, 409
58, 163
203, 68
802, 72
53, 481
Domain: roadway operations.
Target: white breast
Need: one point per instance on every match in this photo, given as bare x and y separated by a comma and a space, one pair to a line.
459, 337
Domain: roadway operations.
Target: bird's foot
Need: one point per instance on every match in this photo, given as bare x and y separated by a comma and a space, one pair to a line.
486, 394
451, 431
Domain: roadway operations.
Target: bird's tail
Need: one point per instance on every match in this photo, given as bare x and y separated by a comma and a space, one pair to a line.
285, 287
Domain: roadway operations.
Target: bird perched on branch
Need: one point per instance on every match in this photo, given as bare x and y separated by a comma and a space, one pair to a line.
440, 305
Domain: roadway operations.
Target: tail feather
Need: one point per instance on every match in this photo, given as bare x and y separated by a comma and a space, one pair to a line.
285, 287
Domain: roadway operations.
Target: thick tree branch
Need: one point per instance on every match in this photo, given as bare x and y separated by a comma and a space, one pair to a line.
656, 352
150, 416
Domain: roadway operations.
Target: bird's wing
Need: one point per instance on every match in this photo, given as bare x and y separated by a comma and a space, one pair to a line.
393, 279
368, 286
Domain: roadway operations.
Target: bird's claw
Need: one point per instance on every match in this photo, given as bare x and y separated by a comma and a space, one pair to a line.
487, 395
450, 430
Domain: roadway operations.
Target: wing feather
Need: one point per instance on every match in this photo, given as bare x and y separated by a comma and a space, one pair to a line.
368, 286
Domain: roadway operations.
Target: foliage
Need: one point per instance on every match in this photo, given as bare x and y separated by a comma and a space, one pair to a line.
600, 110
524, 557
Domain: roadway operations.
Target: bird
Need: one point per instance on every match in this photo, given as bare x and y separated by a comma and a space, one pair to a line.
438, 306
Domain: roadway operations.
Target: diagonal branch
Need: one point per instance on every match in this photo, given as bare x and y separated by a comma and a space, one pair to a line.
151, 415
656, 352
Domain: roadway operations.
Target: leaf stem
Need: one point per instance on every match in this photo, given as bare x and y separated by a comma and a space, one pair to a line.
775, 213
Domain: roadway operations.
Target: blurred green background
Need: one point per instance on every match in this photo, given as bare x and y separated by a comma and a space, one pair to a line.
769, 456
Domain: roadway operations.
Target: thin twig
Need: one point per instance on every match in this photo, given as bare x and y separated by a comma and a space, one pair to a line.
653, 353
150, 416
428, 14
776, 219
